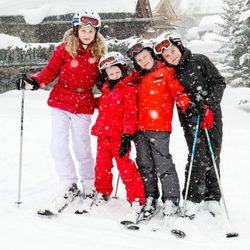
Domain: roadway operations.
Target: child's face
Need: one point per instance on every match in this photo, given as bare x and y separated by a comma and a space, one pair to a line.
114, 72
172, 55
145, 59
86, 34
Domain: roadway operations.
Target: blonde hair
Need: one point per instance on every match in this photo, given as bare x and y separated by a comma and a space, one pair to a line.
98, 47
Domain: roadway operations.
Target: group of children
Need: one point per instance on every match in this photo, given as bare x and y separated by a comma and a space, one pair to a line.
136, 106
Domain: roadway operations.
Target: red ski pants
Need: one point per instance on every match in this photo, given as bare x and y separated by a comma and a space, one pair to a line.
107, 149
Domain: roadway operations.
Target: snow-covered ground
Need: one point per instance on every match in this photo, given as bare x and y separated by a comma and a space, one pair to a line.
22, 228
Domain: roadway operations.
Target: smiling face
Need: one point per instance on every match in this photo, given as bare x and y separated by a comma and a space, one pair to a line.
172, 55
145, 59
86, 34
114, 72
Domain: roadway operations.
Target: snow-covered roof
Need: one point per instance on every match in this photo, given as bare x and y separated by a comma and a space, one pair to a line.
210, 23
200, 7
7, 41
34, 11
55, 7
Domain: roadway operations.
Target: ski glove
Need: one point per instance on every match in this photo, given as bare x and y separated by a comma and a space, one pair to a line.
27, 84
208, 120
125, 144
192, 111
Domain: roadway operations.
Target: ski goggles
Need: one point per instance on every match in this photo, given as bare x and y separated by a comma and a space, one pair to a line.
109, 61
159, 47
89, 20
136, 49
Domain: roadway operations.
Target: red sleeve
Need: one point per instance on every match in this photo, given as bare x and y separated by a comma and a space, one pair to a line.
52, 69
130, 110
177, 91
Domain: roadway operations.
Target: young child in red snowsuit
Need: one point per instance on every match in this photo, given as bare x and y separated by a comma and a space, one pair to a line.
115, 127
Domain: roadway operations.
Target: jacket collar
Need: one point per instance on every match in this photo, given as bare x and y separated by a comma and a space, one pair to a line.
80, 49
128, 80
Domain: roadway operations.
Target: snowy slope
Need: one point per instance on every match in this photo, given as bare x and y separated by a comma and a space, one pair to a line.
21, 228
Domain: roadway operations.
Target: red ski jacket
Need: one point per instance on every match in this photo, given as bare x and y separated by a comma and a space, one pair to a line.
117, 110
76, 78
157, 93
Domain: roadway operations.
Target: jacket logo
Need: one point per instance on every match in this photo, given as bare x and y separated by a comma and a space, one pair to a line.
158, 78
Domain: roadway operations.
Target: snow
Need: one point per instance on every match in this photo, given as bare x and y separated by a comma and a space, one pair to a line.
22, 228
7, 41
193, 34
200, 7
244, 16
36, 16
11, 42
210, 23
153, 3
65, 6
35, 11
244, 103
208, 47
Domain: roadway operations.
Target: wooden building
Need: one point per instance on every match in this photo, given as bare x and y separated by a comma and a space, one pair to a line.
119, 20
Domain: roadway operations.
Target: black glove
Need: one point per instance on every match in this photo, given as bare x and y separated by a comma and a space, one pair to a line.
195, 109
125, 144
27, 84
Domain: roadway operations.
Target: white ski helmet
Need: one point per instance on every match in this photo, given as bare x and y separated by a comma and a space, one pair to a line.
111, 59
86, 17
165, 40
137, 45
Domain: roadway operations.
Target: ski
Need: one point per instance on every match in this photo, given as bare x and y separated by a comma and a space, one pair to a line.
58, 206
53, 211
225, 224
86, 205
46, 212
180, 226
165, 224
178, 233
131, 225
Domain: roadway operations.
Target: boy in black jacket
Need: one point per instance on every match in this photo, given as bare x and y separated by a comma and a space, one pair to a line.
205, 86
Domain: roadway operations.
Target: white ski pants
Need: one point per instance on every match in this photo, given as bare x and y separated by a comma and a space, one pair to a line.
63, 123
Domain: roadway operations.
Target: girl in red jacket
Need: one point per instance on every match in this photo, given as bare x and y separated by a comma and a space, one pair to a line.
75, 66
157, 93
115, 127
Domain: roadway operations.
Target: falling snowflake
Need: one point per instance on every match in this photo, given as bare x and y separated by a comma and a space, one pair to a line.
154, 114
91, 60
74, 63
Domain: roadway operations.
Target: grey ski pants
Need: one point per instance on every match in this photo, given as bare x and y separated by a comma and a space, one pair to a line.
155, 162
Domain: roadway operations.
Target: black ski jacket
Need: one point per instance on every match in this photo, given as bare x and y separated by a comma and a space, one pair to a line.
201, 80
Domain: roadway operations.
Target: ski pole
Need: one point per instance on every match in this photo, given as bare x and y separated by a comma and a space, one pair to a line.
192, 158
21, 142
216, 172
116, 188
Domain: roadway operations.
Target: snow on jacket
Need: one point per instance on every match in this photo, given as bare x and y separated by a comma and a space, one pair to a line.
117, 110
76, 78
157, 93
